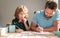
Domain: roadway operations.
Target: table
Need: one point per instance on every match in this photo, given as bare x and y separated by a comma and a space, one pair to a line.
29, 34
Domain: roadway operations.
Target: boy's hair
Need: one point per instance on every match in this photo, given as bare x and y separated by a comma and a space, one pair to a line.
19, 9
51, 5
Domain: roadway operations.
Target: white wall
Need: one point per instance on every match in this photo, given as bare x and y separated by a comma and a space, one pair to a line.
7, 8
59, 4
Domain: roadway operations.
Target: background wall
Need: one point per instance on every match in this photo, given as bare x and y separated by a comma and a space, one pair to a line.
7, 8
59, 4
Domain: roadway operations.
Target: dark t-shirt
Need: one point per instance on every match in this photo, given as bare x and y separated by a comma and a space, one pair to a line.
19, 25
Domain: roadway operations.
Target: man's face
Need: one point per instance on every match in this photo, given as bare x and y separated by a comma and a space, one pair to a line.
48, 12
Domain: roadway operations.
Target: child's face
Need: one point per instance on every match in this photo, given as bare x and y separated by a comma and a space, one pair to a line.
22, 15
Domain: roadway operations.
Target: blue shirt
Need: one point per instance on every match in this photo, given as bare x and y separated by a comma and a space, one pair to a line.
42, 21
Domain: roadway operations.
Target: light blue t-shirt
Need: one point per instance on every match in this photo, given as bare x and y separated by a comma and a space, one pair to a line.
42, 21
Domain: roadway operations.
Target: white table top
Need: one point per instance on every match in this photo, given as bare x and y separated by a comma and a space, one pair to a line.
30, 34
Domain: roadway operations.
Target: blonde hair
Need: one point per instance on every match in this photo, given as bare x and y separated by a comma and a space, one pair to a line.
20, 9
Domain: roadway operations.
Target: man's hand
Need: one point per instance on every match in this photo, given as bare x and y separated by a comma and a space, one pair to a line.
34, 28
41, 29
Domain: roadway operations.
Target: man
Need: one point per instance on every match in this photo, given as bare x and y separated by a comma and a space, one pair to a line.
47, 19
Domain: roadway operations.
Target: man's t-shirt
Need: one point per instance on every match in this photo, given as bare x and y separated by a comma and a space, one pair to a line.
42, 21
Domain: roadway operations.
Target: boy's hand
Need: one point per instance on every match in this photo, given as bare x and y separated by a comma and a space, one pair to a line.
19, 30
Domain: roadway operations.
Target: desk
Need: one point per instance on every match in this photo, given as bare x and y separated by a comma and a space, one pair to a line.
28, 34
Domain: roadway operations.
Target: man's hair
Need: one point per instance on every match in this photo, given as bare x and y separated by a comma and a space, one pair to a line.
51, 5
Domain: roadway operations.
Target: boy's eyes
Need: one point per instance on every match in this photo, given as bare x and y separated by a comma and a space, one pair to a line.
23, 14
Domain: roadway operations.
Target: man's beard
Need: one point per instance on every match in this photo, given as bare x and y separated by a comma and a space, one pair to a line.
47, 16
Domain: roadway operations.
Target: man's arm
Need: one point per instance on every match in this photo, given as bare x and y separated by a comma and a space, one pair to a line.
34, 27
52, 28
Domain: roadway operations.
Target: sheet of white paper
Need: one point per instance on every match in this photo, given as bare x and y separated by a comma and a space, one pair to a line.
42, 33
36, 32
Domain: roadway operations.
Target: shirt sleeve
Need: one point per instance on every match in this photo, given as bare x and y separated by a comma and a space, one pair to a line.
35, 19
58, 15
14, 23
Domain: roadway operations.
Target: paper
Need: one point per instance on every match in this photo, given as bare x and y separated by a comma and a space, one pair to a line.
42, 33
36, 32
